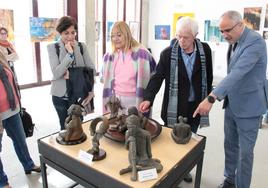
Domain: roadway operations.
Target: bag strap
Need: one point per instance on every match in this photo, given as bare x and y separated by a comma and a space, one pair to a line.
57, 47
81, 48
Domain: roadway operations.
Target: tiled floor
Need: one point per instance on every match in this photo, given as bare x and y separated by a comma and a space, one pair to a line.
38, 102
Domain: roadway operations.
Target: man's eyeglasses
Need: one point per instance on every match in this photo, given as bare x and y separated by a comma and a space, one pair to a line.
229, 30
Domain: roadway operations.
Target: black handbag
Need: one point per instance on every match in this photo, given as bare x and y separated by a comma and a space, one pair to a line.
79, 84
27, 122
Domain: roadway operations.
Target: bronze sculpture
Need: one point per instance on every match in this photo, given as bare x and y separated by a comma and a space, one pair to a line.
97, 133
117, 121
113, 105
138, 142
73, 134
122, 126
181, 132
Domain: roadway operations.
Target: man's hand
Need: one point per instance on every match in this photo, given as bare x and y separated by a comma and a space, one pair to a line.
144, 106
203, 108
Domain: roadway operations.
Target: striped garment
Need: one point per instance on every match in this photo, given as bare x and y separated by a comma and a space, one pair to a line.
144, 65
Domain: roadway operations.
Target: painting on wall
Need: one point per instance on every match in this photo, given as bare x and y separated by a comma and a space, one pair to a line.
135, 30
212, 32
43, 29
162, 32
266, 17
265, 35
7, 21
252, 17
176, 17
97, 31
109, 30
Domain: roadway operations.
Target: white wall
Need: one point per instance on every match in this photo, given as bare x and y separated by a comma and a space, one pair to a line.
161, 13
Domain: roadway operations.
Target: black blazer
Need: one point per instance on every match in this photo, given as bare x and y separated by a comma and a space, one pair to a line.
163, 73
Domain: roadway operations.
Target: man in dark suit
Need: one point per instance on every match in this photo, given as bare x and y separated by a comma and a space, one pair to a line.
186, 67
244, 92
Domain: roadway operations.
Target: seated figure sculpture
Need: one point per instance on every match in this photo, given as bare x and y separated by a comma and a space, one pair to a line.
138, 142
181, 132
73, 134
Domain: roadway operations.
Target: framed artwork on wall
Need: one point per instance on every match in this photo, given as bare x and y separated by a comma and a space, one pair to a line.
162, 32
7, 21
265, 35
97, 30
109, 30
212, 32
252, 17
266, 17
176, 17
43, 29
135, 30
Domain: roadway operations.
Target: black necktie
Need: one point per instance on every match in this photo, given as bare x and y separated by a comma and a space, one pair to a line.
234, 46
229, 54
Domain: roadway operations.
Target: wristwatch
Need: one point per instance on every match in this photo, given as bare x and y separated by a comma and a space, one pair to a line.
210, 99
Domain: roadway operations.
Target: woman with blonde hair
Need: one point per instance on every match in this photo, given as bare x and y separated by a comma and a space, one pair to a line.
127, 69
10, 117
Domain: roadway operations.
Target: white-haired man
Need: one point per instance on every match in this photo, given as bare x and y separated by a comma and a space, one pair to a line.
186, 67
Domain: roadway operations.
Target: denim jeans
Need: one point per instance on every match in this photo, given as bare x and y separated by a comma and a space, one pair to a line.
3, 176
14, 129
61, 107
1, 136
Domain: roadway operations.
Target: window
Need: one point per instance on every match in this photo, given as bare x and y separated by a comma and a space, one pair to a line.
29, 70
56, 10
127, 10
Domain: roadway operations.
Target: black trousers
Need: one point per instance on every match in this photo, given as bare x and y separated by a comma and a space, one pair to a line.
193, 122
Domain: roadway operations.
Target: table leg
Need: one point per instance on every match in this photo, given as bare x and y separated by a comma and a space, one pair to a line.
44, 172
199, 171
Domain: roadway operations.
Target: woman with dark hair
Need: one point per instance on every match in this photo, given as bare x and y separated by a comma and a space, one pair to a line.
66, 53
10, 117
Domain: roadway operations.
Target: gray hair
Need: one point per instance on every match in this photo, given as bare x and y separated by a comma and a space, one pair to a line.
232, 15
187, 22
